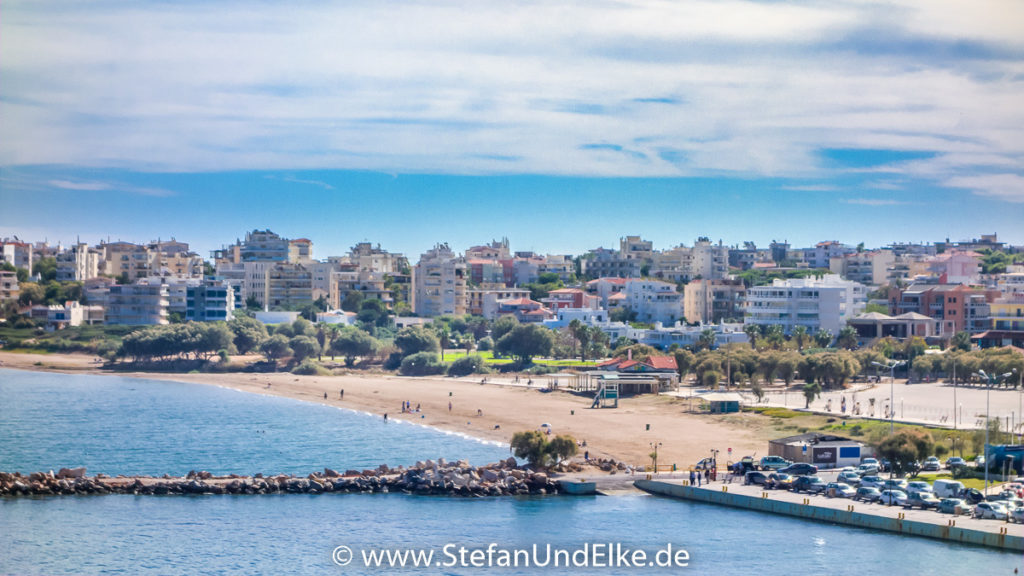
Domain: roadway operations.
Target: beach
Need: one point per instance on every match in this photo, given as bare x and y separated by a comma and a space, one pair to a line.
493, 411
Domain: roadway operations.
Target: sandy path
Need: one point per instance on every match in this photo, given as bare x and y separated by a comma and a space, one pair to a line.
618, 433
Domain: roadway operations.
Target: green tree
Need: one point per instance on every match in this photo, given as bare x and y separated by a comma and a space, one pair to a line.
561, 448
684, 362
352, 301
31, 293
303, 347
530, 446
706, 340
847, 338
275, 347
823, 338
526, 341
469, 364
753, 332
413, 339
503, 326
906, 447
352, 343
961, 341
799, 334
787, 366
421, 364
811, 392
248, 333
45, 268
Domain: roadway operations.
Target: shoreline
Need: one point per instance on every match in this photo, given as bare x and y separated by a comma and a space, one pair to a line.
490, 412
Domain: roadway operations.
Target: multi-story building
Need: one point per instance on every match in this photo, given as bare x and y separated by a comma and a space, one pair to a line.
824, 252
559, 264
209, 301
439, 283
9, 288
636, 248
496, 250
78, 263
957, 307
683, 264
1010, 283
127, 260
258, 246
956, 267
824, 303
17, 253
651, 301
746, 257
484, 301
137, 304
712, 301
526, 311
368, 258
287, 286
606, 263
300, 250
370, 284
870, 267
570, 298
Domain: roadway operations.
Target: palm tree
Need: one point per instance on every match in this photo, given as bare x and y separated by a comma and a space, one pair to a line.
961, 341
823, 338
847, 338
706, 341
753, 332
799, 334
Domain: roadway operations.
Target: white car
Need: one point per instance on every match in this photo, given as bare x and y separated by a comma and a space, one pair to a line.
1017, 514
867, 469
871, 482
851, 478
895, 498
993, 510
919, 487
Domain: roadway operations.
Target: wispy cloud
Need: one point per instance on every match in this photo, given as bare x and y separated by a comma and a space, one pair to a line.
874, 202
85, 186
734, 88
294, 180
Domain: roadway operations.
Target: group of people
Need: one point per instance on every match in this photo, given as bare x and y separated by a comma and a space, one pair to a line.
709, 475
407, 407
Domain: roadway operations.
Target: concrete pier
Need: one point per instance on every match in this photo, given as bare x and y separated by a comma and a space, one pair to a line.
927, 523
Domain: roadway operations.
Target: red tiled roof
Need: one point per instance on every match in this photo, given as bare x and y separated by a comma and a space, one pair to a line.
608, 363
628, 364
517, 302
617, 296
662, 362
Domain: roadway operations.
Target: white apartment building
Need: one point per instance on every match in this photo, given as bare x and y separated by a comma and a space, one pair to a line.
817, 304
78, 263
137, 304
871, 268
682, 263
652, 301
439, 283
16, 252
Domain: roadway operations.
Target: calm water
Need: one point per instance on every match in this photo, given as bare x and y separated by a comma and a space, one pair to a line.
126, 425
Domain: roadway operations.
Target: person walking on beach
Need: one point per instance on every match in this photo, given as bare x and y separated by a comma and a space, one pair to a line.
385, 416
325, 395
341, 394
449, 406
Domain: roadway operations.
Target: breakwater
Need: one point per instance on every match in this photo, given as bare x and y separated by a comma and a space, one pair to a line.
505, 478
839, 511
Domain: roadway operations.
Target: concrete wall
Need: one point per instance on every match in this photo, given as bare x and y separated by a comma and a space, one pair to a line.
860, 519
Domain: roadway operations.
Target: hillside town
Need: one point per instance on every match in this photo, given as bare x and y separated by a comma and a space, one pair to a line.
666, 298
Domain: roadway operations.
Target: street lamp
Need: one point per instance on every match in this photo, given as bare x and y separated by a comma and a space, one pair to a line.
655, 446
992, 379
892, 383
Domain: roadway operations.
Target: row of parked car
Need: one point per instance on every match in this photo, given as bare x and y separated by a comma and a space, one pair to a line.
863, 484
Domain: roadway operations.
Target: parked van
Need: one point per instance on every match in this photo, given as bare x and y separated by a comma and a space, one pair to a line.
947, 488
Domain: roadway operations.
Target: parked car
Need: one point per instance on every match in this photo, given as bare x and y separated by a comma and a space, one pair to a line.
755, 477
774, 463
1017, 514
800, 469
924, 500
931, 464
780, 481
884, 465
851, 478
839, 490
867, 469
993, 510
894, 484
972, 495
954, 506
871, 481
955, 462
705, 464
867, 494
893, 497
809, 484
869, 461
919, 486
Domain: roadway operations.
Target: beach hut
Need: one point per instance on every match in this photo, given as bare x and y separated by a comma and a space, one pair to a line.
723, 402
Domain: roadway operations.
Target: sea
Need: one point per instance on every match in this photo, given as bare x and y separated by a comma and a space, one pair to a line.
118, 425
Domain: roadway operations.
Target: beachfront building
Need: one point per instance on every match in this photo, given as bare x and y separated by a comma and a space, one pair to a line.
870, 268
72, 313
957, 307
9, 287
824, 303
209, 300
712, 301
439, 283
137, 304
663, 337
874, 325
651, 301
822, 450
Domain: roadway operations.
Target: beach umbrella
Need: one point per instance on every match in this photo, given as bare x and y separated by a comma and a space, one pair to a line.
545, 425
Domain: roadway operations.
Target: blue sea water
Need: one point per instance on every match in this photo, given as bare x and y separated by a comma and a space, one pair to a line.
120, 425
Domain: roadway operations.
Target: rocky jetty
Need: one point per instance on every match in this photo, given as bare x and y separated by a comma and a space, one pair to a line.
439, 477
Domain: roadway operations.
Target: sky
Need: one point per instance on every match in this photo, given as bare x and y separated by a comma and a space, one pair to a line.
562, 126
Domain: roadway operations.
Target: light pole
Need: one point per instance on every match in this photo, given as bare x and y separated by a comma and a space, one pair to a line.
954, 391
892, 387
655, 446
992, 379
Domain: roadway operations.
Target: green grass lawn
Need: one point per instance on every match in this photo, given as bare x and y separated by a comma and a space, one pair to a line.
488, 356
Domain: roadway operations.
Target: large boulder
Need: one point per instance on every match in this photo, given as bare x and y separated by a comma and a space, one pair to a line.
71, 472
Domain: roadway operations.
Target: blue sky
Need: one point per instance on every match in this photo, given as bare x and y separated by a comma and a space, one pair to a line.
562, 126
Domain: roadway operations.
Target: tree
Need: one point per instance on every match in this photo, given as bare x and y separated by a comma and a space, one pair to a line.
413, 339
526, 341
303, 347
822, 338
421, 364
353, 300
31, 293
352, 343
923, 366
787, 366
961, 341
706, 340
811, 392
906, 447
275, 347
251, 303
248, 333
303, 327
45, 268
847, 338
799, 334
503, 326
561, 447
576, 328
530, 446
684, 361
469, 364
753, 332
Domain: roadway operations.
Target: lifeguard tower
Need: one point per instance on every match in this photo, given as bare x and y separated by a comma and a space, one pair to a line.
607, 395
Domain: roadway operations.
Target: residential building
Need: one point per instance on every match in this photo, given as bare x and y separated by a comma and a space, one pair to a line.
956, 267
570, 298
287, 286
9, 288
369, 258
300, 251
824, 303
17, 253
823, 252
368, 283
496, 250
526, 311
1007, 313
683, 264
78, 263
559, 264
484, 301
652, 301
607, 263
339, 317
209, 301
605, 288
258, 246
128, 261
745, 258
712, 301
137, 304
439, 283
636, 248
1010, 283
957, 307
870, 267
874, 325
72, 313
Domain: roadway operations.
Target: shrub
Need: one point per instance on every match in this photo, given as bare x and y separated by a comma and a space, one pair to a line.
393, 361
310, 368
485, 344
421, 364
472, 364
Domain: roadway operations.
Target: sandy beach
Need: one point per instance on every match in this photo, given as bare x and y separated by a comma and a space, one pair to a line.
506, 408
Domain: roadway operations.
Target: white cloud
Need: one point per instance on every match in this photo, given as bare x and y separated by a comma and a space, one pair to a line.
874, 202
689, 89
1009, 187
